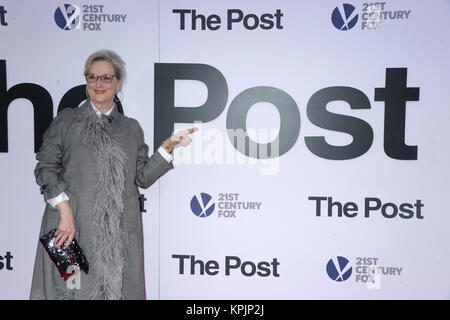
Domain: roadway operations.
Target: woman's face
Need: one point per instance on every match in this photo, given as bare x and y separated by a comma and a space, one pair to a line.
100, 92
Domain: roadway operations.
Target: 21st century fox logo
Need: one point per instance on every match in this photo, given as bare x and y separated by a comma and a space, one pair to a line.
228, 205
86, 17
368, 271
372, 16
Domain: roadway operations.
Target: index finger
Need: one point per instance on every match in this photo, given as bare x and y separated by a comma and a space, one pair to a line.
191, 130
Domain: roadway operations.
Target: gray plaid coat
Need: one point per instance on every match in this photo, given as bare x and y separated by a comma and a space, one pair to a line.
65, 164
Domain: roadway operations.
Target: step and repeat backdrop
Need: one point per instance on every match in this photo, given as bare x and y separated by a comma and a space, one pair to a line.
320, 167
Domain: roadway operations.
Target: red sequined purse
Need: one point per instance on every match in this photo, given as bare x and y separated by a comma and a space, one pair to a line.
64, 258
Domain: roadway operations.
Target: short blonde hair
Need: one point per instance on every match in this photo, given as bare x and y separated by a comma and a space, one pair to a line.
109, 56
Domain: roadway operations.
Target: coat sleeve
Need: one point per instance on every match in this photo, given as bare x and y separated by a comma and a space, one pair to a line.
49, 167
148, 169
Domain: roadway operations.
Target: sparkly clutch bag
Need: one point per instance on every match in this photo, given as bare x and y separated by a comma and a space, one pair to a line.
67, 261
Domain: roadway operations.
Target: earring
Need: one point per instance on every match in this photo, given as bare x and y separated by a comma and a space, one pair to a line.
118, 97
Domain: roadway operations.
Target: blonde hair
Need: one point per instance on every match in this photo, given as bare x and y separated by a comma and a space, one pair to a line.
109, 56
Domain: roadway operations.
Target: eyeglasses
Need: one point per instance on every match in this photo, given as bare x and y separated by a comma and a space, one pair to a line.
106, 78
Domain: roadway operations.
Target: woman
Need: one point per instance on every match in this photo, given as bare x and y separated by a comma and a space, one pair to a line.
90, 164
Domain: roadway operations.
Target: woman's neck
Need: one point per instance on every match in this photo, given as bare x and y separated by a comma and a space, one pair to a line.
103, 108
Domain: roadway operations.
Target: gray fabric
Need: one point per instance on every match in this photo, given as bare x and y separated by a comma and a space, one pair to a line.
109, 241
67, 164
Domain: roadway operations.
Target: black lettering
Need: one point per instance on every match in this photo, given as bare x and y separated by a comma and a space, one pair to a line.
182, 12
264, 269
386, 213
211, 268
368, 207
419, 205
275, 265
8, 257
39, 98
181, 258
405, 211
278, 16
166, 114
395, 94
289, 122
3, 16
231, 20
213, 22
359, 129
255, 23
195, 18
142, 200
252, 269
348, 207
267, 21
73, 98
231, 262
200, 263
332, 204
318, 207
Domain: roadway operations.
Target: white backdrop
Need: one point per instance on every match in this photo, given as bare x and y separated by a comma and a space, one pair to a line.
284, 248
38, 51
